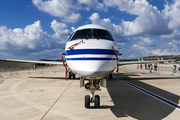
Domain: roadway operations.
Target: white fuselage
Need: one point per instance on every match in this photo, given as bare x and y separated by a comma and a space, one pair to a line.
91, 58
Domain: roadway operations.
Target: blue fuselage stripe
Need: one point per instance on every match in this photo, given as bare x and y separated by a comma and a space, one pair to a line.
91, 51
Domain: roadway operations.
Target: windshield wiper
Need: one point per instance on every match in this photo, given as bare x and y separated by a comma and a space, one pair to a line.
89, 34
95, 35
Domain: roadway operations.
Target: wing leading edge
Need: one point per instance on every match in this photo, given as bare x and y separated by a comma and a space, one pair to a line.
32, 61
141, 62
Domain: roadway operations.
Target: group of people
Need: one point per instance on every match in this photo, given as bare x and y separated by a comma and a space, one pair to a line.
174, 68
149, 65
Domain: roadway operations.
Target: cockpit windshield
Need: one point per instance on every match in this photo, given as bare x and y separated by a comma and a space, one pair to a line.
103, 34
81, 34
92, 34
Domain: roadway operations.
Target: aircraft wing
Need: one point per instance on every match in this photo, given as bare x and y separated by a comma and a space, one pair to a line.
140, 62
32, 61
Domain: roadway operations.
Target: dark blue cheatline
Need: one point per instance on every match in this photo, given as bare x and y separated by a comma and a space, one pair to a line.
91, 59
91, 51
164, 100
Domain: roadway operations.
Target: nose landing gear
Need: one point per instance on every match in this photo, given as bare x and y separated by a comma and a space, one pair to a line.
94, 86
92, 99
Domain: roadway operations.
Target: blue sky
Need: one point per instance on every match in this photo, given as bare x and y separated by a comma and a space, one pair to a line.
38, 29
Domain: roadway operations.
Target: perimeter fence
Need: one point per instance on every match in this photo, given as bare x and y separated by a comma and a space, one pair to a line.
17, 70
161, 69
20, 69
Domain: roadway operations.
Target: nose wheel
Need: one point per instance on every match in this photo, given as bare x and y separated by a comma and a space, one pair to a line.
87, 101
96, 101
92, 99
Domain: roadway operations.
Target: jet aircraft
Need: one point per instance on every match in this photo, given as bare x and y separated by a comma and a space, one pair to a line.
91, 53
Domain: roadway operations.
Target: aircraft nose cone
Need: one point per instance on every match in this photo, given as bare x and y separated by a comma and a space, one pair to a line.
91, 69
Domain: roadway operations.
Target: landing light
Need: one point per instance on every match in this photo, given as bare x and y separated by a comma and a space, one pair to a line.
87, 85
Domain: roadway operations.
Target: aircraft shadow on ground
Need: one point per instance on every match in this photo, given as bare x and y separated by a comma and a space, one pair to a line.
131, 102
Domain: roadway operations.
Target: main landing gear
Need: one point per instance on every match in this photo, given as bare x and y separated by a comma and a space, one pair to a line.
71, 74
92, 86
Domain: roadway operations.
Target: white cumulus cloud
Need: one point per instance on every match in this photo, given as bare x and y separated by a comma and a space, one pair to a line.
60, 8
149, 19
73, 18
32, 41
146, 46
172, 13
175, 35
106, 22
93, 4
67, 10
60, 29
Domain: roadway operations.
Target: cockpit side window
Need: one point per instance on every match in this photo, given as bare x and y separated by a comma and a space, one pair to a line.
81, 34
70, 36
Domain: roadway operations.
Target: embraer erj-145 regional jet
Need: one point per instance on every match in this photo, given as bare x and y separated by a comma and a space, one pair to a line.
92, 54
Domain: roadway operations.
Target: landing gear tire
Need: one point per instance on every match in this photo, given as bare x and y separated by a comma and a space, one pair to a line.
110, 76
69, 75
97, 101
87, 101
74, 76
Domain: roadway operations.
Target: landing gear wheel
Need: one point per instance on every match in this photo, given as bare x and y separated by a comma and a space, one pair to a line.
69, 75
87, 101
110, 76
74, 76
97, 101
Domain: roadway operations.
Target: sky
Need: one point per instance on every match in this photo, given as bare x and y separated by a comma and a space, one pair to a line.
39, 29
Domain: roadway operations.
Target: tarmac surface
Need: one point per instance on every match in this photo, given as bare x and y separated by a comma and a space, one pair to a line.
48, 96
